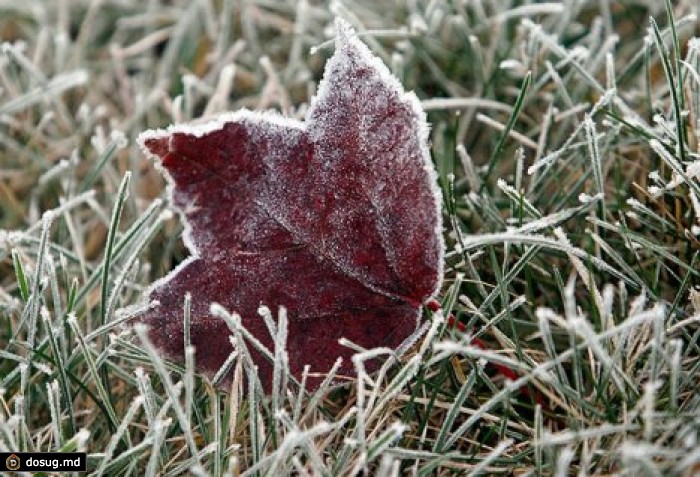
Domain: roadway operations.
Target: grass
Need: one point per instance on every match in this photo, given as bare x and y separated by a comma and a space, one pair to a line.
566, 137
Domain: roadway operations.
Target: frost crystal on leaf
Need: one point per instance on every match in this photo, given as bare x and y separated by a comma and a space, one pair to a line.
336, 218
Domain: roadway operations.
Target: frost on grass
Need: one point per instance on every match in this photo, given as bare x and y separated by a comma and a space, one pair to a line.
336, 219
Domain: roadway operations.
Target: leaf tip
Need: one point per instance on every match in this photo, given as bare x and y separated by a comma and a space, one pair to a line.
344, 31
154, 143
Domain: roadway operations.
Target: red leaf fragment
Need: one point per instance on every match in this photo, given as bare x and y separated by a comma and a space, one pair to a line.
336, 218
503, 370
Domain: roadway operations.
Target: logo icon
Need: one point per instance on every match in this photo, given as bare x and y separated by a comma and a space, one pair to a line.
12, 462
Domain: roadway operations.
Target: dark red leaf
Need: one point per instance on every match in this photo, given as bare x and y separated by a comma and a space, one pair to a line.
335, 218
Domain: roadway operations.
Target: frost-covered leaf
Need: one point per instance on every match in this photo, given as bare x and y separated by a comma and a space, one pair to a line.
335, 218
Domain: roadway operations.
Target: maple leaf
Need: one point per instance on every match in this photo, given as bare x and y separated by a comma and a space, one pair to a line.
337, 219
